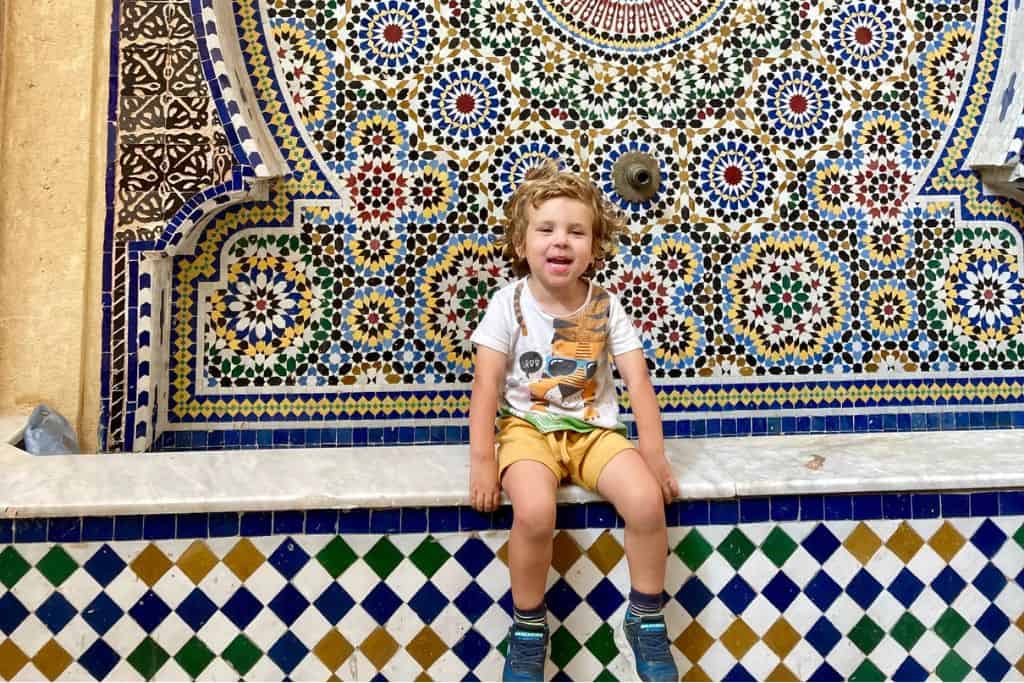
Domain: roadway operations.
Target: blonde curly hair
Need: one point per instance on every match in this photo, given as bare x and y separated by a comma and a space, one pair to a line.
548, 182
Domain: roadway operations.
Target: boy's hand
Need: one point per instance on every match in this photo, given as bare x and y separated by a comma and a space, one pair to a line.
663, 474
483, 484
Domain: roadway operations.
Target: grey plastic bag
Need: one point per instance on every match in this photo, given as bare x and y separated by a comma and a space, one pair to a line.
48, 433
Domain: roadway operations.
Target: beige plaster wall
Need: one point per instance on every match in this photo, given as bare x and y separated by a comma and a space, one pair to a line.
53, 88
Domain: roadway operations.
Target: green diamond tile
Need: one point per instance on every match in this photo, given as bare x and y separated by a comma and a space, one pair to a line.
951, 627
867, 671
147, 658
907, 630
736, 548
12, 566
336, 557
866, 635
952, 668
693, 550
193, 657
56, 565
778, 546
383, 557
242, 654
605, 675
563, 647
602, 644
1019, 536
429, 556
503, 647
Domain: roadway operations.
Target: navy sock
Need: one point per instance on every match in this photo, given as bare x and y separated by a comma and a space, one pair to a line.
644, 604
531, 617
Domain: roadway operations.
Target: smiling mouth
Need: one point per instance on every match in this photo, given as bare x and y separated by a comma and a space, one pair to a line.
560, 261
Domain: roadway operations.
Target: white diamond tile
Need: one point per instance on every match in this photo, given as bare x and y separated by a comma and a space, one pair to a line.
172, 633
220, 584
312, 580
218, 632
265, 630
358, 580
265, 583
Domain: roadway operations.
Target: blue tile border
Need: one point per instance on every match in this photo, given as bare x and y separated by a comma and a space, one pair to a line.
462, 518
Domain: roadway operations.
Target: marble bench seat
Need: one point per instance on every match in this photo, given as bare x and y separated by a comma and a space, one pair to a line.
437, 475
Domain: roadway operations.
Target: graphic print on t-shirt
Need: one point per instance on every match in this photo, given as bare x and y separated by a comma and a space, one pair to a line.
578, 344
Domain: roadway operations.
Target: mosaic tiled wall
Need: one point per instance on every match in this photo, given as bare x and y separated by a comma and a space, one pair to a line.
864, 587
818, 245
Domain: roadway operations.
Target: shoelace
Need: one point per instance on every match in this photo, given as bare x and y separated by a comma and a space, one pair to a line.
528, 651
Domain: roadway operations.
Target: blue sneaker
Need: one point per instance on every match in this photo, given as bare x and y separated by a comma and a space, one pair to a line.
527, 650
648, 639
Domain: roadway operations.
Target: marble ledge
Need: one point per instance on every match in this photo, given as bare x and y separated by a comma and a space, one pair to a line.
432, 475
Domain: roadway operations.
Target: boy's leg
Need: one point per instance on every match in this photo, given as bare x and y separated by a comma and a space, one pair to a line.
531, 486
628, 484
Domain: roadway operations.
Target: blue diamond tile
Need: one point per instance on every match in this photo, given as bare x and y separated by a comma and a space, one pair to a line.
823, 636
104, 565
988, 538
471, 648
381, 603
822, 590
334, 603
149, 611
102, 613
992, 623
242, 607
99, 659
288, 604
737, 594
906, 587
990, 581
825, 673
694, 596
287, 652
910, 670
738, 673
12, 613
781, 591
474, 556
993, 666
863, 588
473, 601
196, 609
562, 599
428, 602
948, 584
821, 543
55, 612
605, 598
289, 558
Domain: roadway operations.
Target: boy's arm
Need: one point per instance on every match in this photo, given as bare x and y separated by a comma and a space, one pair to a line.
483, 405
633, 369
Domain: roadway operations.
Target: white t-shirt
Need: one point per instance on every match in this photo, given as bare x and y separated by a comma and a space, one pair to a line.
558, 374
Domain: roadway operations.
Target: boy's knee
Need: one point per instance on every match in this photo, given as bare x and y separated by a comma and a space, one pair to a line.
644, 510
535, 515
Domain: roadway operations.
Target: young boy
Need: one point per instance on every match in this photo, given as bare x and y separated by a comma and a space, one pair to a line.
543, 352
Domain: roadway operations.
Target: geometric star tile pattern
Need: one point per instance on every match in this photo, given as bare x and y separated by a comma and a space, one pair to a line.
833, 600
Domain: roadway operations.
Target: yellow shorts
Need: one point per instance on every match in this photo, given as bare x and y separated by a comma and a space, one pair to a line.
576, 456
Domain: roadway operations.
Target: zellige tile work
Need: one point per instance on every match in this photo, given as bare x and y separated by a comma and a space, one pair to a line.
817, 247
865, 587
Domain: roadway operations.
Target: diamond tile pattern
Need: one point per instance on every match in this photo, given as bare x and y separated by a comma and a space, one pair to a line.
807, 600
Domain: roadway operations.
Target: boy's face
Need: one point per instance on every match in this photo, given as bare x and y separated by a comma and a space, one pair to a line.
559, 241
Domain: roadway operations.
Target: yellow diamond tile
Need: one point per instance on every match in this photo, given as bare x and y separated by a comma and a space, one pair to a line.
738, 638
781, 638
502, 553
333, 650
696, 674
605, 552
863, 543
426, 647
151, 564
379, 647
947, 541
424, 677
51, 660
565, 552
904, 542
12, 660
781, 673
694, 641
244, 559
197, 561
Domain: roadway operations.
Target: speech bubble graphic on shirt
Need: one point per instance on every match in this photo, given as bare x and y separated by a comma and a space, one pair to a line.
531, 361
